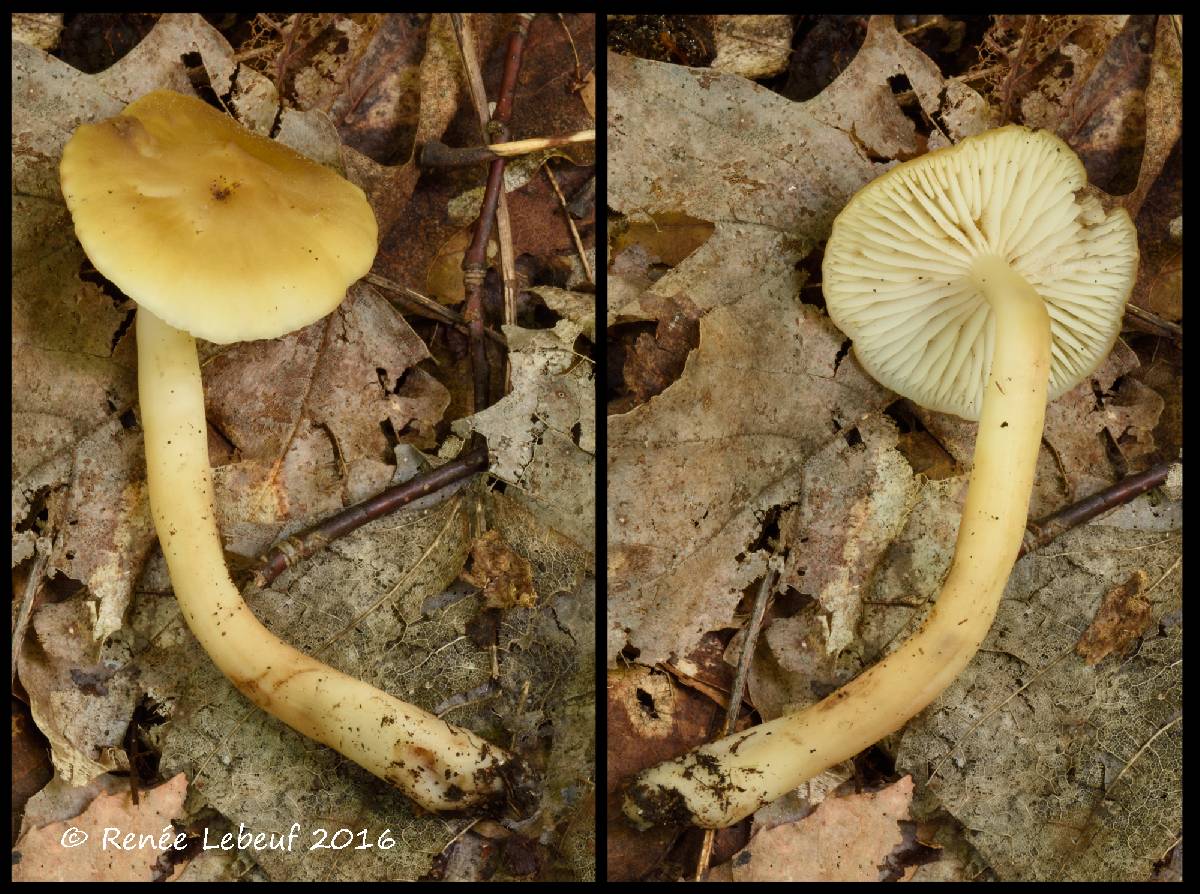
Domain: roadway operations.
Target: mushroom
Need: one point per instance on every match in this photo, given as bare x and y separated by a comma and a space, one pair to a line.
978, 280
225, 235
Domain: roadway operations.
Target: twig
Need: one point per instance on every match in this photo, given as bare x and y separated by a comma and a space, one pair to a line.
28, 597
299, 547
1041, 532
735, 694
474, 263
425, 306
587, 268
436, 154
1144, 321
575, 52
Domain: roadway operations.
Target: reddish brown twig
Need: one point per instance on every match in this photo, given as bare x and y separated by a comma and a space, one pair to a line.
475, 259
300, 546
420, 305
1039, 533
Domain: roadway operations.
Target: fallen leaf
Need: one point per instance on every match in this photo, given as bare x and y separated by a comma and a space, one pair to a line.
858, 492
541, 435
1028, 741
756, 46
1121, 619
49, 854
503, 576
648, 720
846, 839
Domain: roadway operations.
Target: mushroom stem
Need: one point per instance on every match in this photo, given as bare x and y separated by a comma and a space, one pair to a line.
441, 767
720, 783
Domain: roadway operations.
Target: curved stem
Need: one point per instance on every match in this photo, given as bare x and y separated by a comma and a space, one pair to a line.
722, 782
441, 767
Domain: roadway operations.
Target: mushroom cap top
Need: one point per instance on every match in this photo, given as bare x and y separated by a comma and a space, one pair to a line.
897, 270
216, 230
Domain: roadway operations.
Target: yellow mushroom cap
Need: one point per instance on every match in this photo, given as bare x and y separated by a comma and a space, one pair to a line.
216, 230
897, 268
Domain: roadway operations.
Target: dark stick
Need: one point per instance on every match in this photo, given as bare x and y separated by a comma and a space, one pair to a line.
420, 305
435, 154
474, 260
1039, 533
1144, 321
300, 546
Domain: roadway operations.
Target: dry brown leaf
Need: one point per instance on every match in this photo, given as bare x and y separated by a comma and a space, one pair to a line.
542, 434
648, 720
858, 492
504, 577
1164, 109
1080, 427
93, 847
76, 696
1122, 618
845, 839
587, 94
692, 471
756, 46
655, 361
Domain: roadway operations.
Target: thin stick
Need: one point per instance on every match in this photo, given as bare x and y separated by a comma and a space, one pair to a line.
587, 268
474, 263
735, 694
425, 306
1041, 532
1144, 321
299, 547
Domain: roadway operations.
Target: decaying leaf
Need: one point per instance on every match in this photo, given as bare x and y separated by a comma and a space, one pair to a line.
502, 575
1026, 745
74, 850
846, 839
79, 698
1108, 411
647, 720
1122, 618
755, 46
542, 435
858, 492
